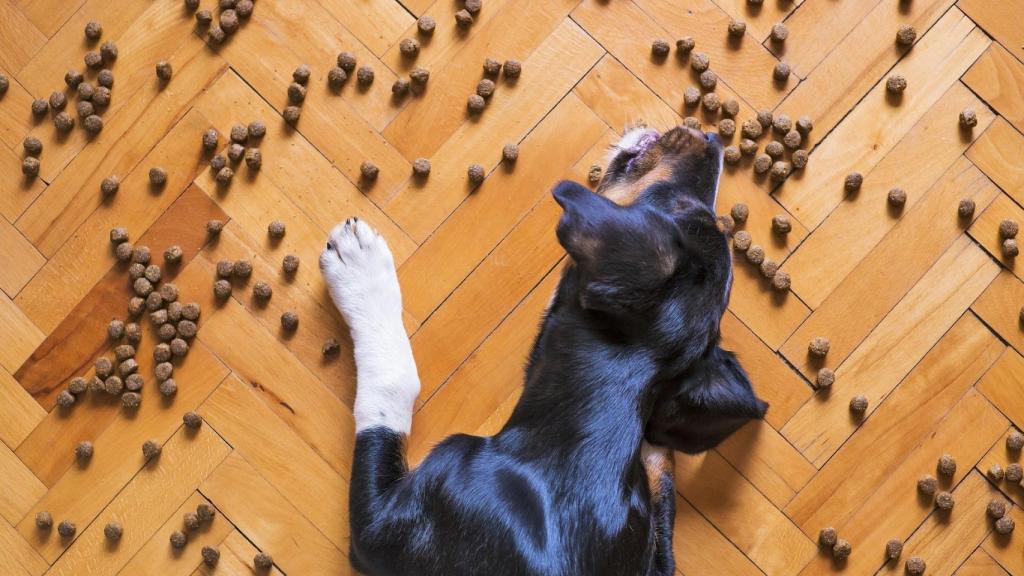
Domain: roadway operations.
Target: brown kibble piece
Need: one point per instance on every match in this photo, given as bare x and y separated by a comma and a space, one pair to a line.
660, 48
262, 290
131, 400
103, 367
944, 501
32, 145
737, 28
276, 229
192, 420
897, 197
368, 170
221, 289
779, 32
151, 449
330, 347
859, 404
296, 93
93, 30
113, 385
113, 531
485, 87
263, 561
164, 71
173, 254
1015, 441
732, 155
290, 263
1010, 249
741, 240
157, 176
781, 281
364, 76
229, 21
775, 149
83, 451
225, 175
915, 566
841, 551
792, 140
464, 19
210, 555
755, 255
826, 378
685, 44
853, 182
748, 147
336, 78
44, 521
291, 114
828, 537
426, 25
727, 127
762, 163
205, 513
77, 385
191, 521
780, 171
475, 103
896, 84
253, 158
769, 268
115, 329
178, 539
893, 548
63, 122
1008, 228
711, 102
725, 224
93, 60
996, 473
781, 224
134, 382
691, 96
966, 208
475, 173
289, 321
818, 346
700, 61
781, 72
163, 370
751, 129
997, 508
58, 101
66, 529
968, 118
906, 35
65, 399
1004, 525
40, 107
1014, 473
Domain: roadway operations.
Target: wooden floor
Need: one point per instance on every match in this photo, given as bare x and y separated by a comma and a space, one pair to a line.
920, 307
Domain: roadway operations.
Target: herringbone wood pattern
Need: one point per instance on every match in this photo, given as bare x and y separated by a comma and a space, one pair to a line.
921, 307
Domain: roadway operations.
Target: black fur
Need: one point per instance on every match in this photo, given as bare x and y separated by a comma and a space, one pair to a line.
629, 347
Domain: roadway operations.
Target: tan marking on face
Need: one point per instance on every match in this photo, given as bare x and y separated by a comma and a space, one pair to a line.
655, 165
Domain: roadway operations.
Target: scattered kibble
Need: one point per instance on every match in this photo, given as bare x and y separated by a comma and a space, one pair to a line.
113, 385
826, 378
769, 268
781, 281
946, 466
93, 60
66, 529
101, 97
997, 508
426, 25
131, 400
113, 531
191, 521
968, 118
58, 101
906, 35
731, 155
915, 565
44, 521
780, 171
83, 451
685, 44
290, 263
799, 159
804, 125
93, 30
731, 107
1008, 228
779, 32
762, 163
475, 173
859, 404
229, 21
1010, 249
330, 347
725, 224
727, 127
192, 420
301, 74
781, 72
853, 182
1015, 441
828, 537
700, 61
755, 255
792, 140
944, 501
897, 197
151, 449
475, 103
30, 167
737, 28
896, 84
210, 555
168, 387
276, 229
966, 208
775, 149
463, 18
364, 75
289, 321
751, 129
164, 71
291, 114
205, 512
262, 290
77, 385
134, 382
711, 102
819, 346
996, 473
485, 88
263, 561
242, 270
660, 48
63, 122
103, 367
178, 539
1004, 525
157, 176
1014, 473
741, 240
841, 551
748, 147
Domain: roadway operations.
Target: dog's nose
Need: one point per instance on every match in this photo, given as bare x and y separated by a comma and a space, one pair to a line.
712, 138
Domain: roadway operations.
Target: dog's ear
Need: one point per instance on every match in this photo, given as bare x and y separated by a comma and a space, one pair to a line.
713, 399
584, 215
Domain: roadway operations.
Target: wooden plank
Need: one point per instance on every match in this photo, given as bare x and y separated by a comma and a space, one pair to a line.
945, 541
985, 231
19, 37
981, 564
469, 235
745, 68
930, 154
283, 383
79, 493
999, 306
701, 549
728, 501
484, 380
998, 19
1000, 454
892, 349
1003, 385
767, 461
19, 259
270, 522
76, 267
773, 316
145, 504
18, 559
997, 153
376, 23
893, 509
998, 79
129, 133
16, 118
24, 336
16, 191
774, 381
514, 110
295, 166
73, 345
619, 98
819, 26
49, 15
21, 488
281, 457
871, 130
898, 261
19, 413
157, 557
1006, 549
919, 408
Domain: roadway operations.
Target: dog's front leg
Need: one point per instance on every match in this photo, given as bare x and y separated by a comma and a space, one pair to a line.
360, 274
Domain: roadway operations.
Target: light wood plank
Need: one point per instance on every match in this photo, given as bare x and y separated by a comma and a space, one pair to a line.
18, 559
157, 556
1003, 385
19, 413
701, 549
998, 78
999, 306
985, 231
981, 564
998, 18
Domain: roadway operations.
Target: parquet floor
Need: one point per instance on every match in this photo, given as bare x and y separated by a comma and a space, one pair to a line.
921, 307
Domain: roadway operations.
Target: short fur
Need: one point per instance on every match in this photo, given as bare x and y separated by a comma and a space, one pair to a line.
628, 350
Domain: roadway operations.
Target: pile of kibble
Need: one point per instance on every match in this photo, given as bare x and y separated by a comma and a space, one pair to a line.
243, 144
232, 13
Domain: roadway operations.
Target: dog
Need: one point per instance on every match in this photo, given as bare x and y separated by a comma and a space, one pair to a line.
626, 367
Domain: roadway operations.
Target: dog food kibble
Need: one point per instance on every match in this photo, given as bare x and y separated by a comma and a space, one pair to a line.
400, 87
229, 21
164, 71
997, 508
779, 32
896, 84
464, 19
210, 555
426, 25
179, 347
210, 139
123, 352
748, 147
792, 139
84, 450
819, 346
115, 330
364, 75
799, 159
244, 8
290, 263
191, 521
131, 400
253, 158
826, 378
475, 103
63, 122
291, 114
731, 108
330, 347
30, 167
100, 97
40, 107
224, 175
263, 561
205, 513
660, 48
32, 145
152, 272
897, 197
204, 17
289, 321
66, 529
1004, 525
966, 208
192, 420
133, 332
476, 173
262, 290
762, 163
691, 96
699, 61
77, 385
157, 176
44, 521
804, 125
859, 404
113, 385
751, 129
755, 255
276, 229
775, 149
711, 102
166, 332
178, 539
906, 35
128, 367
944, 501
474, 6
781, 72
1008, 228
732, 155
781, 281
65, 399
725, 224
485, 88
346, 61
1014, 473
841, 551
5, 84
124, 251
162, 352
853, 182
781, 224
996, 473
781, 123
780, 171
336, 78
828, 537
187, 329
1015, 441
113, 531
134, 382
1010, 249
764, 118
741, 241
968, 118
296, 93
737, 28
93, 30
168, 387
173, 254
685, 44
708, 80
915, 566
58, 101
769, 268
150, 449
301, 74
104, 367
235, 151
157, 317
93, 60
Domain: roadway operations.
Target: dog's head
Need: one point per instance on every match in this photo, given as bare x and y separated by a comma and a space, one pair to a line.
651, 269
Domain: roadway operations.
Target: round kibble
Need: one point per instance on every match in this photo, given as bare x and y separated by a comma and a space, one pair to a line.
225, 175
162, 353
204, 17
691, 96
168, 387
896, 84
915, 565
115, 330
741, 240
748, 147
124, 352
485, 88
257, 129
253, 158
730, 107
409, 47
700, 61
966, 208
853, 182
100, 97
841, 551
859, 404
1015, 441
73, 78
996, 473
93, 30
818, 346
775, 149
157, 317
192, 420
781, 281
243, 270
782, 124
1008, 228
804, 125
157, 176
762, 163
113, 531
263, 561
276, 229
897, 197
1014, 473
906, 35
737, 28
179, 347
134, 382
210, 139
769, 268
400, 87
178, 539
103, 367
291, 114
40, 107
150, 449
133, 332
210, 555
347, 61
187, 329
65, 399
44, 521
755, 255
289, 321
781, 224
725, 224
290, 263
131, 400
93, 60
893, 548
205, 512
779, 32
33, 146
475, 103
63, 122
792, 139
780, 171
330, 348
191, 521
944, 501
708, 80
77, 385
828, 537
301, 74
751, 129
368, 170
426, 25
732, 155
968, 118
66, 529
997, 508
711, 102
164, 71
781, 72
262, 290
476, 174
113, 385
685, 44
826, 378
765, 119
364, 75
244, 8
691, 122
421, 167
464, 19
83, 451
419, 77
58, 101
1010, 249
166, 332
296, 93
173, 254
336, 78
1004, 525
217, 163
474, 6
229, 21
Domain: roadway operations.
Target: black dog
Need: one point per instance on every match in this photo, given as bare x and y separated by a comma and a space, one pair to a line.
628, 350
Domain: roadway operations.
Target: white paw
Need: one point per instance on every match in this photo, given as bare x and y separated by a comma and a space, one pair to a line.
360, 275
